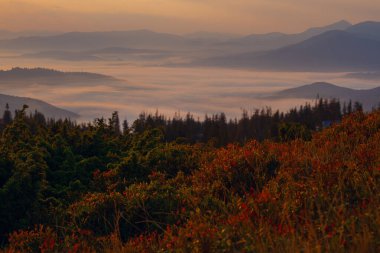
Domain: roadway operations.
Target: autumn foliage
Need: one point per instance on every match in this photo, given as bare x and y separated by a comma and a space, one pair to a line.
139, 194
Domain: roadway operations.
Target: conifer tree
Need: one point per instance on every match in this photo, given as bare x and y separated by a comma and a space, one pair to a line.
114, 123
7, 116
125, 127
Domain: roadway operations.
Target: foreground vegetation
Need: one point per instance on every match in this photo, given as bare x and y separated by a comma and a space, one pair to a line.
90, 188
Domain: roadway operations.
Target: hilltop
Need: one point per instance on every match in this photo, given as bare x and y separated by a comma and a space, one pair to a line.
50, 111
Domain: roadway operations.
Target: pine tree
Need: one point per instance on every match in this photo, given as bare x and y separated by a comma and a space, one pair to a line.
358, 107
7, 116
114, 123
344, 109
349, 107
125, 127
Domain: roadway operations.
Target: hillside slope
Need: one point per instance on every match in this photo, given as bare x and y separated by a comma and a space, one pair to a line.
50, 111
275, 40
96, 190
330, 51
24, 77
370, 98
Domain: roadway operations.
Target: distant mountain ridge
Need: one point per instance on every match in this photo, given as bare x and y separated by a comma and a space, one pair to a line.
96, 40
369, 98
330, 51
369, 29
153, 40
33, 72
210, 37
340, 46
274, 40
50, 111
28, 76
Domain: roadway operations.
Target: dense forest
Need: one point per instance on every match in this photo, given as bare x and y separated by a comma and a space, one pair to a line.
260, 125
302, 181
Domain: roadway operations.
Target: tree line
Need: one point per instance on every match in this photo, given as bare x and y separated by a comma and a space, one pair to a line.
260, 125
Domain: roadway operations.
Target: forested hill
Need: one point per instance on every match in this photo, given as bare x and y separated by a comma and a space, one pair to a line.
50, 111
88, 188
35, 74
370, 98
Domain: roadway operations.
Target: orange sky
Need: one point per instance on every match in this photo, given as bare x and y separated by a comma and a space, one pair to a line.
181, 16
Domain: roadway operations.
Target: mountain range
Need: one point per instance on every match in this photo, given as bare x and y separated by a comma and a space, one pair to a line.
329, 51
274, 40
154, 40
367, 29
97, 40
355, 48
337, 47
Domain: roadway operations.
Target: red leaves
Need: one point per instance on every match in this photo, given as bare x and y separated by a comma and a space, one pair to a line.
48, 245
41, 239
264, 197
232, 202
75, 248
330, 230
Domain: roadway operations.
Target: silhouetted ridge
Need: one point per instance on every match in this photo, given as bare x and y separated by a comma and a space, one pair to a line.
50, 111
44, 72
368, 29
330, 51
370, 98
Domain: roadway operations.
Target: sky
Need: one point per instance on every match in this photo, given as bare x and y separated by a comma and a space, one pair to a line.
182, 16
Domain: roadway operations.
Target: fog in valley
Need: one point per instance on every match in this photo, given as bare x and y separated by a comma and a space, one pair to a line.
202, 73
148, 87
